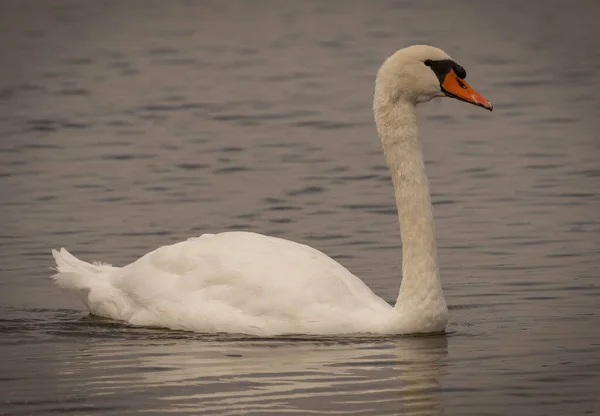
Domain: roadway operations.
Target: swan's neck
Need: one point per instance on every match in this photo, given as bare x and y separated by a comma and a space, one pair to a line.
421, 290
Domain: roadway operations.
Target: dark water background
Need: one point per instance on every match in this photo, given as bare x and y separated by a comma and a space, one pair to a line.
128, 125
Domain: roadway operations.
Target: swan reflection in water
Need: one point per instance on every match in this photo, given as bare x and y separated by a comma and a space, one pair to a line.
225, 374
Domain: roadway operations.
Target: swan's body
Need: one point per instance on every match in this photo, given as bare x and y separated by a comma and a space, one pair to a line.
249, 283
234, 282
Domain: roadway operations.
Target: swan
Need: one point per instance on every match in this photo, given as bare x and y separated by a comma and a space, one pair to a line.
248, 283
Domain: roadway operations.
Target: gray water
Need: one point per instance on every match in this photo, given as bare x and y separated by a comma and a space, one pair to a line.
129, 125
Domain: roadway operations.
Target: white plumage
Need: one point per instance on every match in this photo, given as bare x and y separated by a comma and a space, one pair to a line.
240, 282
263, 286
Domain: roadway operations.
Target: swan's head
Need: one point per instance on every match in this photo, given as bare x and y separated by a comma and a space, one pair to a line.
420, 73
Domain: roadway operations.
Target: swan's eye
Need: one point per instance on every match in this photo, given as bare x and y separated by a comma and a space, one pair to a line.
427, 62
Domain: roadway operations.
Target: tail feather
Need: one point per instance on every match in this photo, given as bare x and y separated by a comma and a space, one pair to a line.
74, 273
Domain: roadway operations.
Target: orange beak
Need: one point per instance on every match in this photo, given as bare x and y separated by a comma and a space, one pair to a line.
455, 87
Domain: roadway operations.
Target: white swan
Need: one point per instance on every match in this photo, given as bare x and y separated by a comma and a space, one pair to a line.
240, 282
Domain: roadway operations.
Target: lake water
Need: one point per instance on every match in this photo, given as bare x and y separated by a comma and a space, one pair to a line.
128, 125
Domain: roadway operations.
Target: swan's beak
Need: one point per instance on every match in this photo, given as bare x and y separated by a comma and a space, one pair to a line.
455, 87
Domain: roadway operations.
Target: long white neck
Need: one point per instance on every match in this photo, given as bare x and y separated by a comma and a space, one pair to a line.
420, 299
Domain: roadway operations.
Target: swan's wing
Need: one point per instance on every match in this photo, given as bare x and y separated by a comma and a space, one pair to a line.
244, 279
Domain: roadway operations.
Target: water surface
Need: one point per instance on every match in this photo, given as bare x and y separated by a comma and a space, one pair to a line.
128, 125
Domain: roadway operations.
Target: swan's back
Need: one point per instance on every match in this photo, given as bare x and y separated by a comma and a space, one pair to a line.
244, 282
